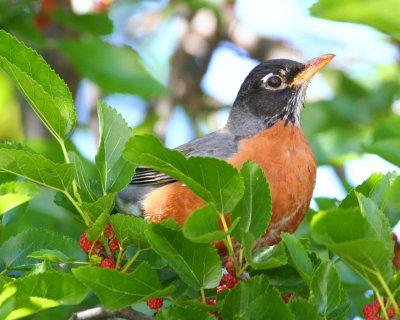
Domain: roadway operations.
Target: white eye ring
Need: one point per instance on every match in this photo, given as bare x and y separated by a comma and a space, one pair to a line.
270, 86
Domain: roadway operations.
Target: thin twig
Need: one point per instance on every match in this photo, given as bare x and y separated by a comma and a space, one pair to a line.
99, 313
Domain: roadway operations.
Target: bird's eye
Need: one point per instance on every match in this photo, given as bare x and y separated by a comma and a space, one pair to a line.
274, 81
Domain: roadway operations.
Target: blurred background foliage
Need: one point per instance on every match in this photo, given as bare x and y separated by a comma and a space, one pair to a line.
173, 68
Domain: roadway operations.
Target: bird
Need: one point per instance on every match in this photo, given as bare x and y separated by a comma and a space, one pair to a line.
263, 126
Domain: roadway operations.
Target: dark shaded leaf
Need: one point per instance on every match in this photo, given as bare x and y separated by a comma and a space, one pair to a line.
15, 250
240, 298
183, 313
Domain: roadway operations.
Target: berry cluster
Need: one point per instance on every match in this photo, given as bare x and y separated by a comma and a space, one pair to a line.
101, 252
373, 311
229, 279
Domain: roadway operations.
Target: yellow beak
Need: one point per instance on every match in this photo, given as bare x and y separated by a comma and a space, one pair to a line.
312, 67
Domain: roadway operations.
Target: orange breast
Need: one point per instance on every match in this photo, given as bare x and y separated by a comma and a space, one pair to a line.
289, 165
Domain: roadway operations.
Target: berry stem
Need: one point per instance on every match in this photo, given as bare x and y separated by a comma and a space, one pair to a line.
228, 241
388, 292
203, 295
243, 269
119, 258
131, 260
85, 217
380, 300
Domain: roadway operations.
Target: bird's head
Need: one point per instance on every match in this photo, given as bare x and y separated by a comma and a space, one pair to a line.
274, 90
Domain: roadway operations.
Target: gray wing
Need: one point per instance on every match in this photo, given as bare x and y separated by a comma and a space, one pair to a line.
220, 144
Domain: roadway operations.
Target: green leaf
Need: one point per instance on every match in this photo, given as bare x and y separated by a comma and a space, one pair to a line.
48, 95
366, 188
95, 231
7, 308
299, 256
7, 300
198, 265
96, 208
303, 309
115, 171
7, 291
117, 290
24, 307
83, 180
373, 13
114, 69
36, 168
388, 149
55, 256
264, 258
245, 292
376, 219
97, 24
212, 179
347, 233
202, 225
13, 194
388, 129
325, 286
15, 250
3, 281
254, 209
129, 230
268, 304
183, 313
52, 285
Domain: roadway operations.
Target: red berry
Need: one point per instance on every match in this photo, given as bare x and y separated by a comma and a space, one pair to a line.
390, 312
222, 287
42, 21
371, 311
109, 231
155, 303
229, 280
108, 263
114, 244
85, 243
230, 266
48, 6
287, 297
211, 302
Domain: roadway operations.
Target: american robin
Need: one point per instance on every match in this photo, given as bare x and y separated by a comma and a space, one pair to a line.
263, 126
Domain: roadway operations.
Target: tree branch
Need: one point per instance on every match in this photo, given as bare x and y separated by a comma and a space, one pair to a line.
99, 313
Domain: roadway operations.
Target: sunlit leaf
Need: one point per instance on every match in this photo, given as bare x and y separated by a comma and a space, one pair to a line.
48, 95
